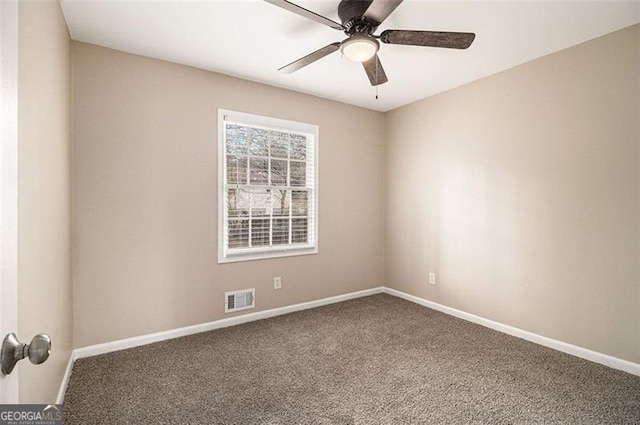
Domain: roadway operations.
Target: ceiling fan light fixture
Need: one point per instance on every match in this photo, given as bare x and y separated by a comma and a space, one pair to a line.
360, 19
359, 48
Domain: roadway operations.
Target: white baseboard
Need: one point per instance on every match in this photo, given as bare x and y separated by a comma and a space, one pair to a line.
65, 378
122, 344
594, 356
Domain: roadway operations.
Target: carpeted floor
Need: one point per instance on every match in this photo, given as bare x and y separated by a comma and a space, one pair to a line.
374, 360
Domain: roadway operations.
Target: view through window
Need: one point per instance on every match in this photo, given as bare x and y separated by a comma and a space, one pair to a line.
269, 199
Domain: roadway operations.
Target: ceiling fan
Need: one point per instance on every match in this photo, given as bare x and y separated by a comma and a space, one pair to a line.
360, 19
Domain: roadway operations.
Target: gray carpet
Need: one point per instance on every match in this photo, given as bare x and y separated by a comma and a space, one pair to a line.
374, 360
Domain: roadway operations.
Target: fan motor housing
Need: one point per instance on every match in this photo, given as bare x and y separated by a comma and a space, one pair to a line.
351, 14
349, 9
358, 26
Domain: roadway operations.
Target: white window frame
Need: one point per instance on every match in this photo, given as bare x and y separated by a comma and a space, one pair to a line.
310, 130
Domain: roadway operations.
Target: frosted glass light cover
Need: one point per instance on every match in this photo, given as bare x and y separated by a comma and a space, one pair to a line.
359, 49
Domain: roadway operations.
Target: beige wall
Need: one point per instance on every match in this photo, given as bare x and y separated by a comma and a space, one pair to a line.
521, 191
145, 197
44, 194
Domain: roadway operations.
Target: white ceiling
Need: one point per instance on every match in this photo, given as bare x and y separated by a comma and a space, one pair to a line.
252, 39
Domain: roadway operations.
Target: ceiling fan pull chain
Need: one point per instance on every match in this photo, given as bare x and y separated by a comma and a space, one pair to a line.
377, 62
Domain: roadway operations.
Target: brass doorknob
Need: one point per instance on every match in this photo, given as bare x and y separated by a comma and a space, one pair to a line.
13, 351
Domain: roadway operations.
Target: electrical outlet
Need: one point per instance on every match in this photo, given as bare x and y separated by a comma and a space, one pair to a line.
277, 282
432, 278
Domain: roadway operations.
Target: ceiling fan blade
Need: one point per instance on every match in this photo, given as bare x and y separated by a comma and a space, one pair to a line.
299, 10
310, 58
450, 40
379, 10
375, 71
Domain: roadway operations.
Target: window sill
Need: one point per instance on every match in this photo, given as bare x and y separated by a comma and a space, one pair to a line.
235, 257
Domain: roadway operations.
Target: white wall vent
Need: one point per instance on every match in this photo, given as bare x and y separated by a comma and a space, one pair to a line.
239, 300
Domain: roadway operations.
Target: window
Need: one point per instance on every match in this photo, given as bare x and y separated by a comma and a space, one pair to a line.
267, 196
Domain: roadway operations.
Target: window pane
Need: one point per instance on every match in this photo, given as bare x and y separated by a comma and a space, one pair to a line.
298, 147
299, 230
258, 142
238, 233
236, 139
281, 203
259, 171
298, 173
299, 202
260, 232
279, 144
236, 169
260, 203
238, 203
278, 172
280, 231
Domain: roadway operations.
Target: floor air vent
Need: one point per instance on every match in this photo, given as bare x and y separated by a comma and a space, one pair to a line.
239, 300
